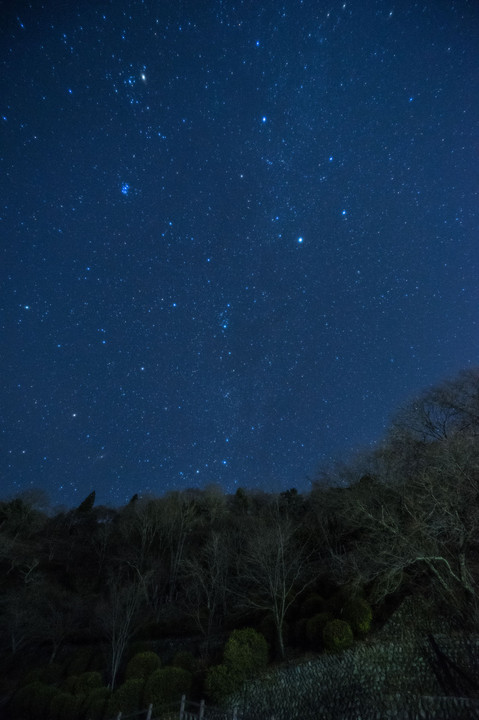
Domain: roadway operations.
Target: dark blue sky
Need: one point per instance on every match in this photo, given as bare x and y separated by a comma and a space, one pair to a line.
235, 236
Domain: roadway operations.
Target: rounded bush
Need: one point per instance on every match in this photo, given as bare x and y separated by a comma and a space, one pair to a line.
88, 681
73, 707
359, 615
24, 702
186, 660
82, 684
220, 683
58, 704
246, 653
128, 698
337, 635
71, 684
65, 705
137, 647
166, 685
42, 699
312, 605
315, 627
142, 665
96, 703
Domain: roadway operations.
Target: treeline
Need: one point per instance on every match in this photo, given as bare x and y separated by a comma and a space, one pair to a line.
304, 570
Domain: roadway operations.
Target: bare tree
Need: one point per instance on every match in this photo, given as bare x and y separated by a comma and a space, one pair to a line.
272, 571
142, 549
118, 615
423, 522
449, 408
57, 614
18, 618
178, 520
206, 582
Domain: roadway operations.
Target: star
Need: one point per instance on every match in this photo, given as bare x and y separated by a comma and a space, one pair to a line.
238, 222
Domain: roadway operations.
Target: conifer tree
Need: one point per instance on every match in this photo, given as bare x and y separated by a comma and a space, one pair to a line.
87, 503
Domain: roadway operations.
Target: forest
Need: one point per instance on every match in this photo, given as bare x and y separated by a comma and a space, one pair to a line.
110, 609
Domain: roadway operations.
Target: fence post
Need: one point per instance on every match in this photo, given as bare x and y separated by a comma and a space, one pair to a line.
235, 712
182, 707
150, 712
118, 717
202, 710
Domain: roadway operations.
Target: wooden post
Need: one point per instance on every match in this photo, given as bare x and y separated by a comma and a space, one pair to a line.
235, 712
118, 717
150, 712
202, 710
182, 707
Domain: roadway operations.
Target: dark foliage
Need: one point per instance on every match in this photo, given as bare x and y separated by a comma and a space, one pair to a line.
80, 590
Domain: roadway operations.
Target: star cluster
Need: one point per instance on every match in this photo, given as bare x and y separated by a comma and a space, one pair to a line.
235, 236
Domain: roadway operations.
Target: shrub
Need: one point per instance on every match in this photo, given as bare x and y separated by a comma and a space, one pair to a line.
359, 615
57, 705
246, 653
33, 701
312, 605
186, 660
220, 683
128, 698
42, 699
73, 707
65, 705
166, 686
23, 700
71, 684
337, 635
315, 627
142, 665
96, 703
139, 646
88, 681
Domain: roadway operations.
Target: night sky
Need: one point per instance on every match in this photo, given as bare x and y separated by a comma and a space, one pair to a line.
235, 235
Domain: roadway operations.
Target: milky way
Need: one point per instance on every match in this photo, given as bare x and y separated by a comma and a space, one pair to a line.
236, 236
